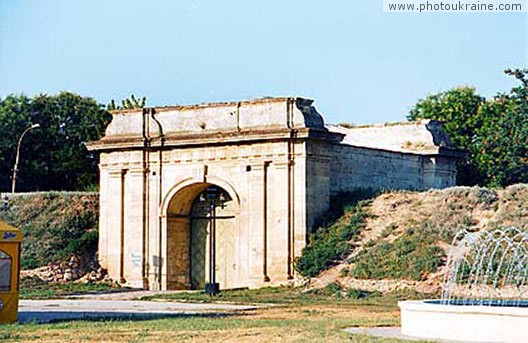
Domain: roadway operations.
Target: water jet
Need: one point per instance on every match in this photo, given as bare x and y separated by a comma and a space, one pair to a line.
484, 291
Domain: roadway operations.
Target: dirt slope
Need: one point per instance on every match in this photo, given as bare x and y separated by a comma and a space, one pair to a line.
436, 212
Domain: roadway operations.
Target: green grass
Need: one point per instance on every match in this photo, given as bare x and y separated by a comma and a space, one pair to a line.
285, 296
32, 288
411, 256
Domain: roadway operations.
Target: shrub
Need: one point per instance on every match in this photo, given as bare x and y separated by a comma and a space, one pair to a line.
82, 246
343, 202
354, 293
387, 231
412, 256
320, 255
337, 291
332, 289
332, 243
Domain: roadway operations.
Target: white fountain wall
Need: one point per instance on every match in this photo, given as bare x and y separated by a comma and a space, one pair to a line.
464, 323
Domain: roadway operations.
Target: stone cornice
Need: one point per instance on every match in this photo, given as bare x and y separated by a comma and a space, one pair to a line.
183, 140
432, 152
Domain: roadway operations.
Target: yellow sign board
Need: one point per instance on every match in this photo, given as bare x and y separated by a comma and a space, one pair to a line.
10, 239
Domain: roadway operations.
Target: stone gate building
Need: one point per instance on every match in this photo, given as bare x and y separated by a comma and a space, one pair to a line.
230, 191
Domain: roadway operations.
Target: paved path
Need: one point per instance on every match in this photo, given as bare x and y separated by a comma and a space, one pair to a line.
392, 332
43, 311
125, 294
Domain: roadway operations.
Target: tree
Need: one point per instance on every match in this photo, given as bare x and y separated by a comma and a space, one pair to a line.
501, 146
458, 109
129, 103
495, 131
54, 156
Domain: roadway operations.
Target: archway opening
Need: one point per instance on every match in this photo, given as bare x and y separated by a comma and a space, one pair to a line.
201, 238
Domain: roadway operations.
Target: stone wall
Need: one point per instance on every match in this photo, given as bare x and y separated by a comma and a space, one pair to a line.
354, 167
335, 168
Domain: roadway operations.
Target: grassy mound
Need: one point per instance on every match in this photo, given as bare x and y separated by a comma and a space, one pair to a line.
55, 225
405, 235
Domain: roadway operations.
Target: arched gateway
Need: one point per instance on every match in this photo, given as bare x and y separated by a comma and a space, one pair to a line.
228, 192
202, 232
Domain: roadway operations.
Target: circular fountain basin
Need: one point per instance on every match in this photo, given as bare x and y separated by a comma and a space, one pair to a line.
471, 323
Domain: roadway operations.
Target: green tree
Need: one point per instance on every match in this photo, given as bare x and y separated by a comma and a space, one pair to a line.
495, 131
501, 145
458, 109
54, 156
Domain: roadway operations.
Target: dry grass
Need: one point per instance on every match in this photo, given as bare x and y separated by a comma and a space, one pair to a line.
286, 315
446, 211
435, 213
289, 323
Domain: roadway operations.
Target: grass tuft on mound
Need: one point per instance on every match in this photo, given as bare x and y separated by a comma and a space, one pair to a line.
332, 242
411, 256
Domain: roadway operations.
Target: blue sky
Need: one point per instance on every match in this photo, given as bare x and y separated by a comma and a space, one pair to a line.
360, 65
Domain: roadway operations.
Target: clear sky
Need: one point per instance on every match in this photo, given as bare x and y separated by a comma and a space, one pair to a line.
360, 65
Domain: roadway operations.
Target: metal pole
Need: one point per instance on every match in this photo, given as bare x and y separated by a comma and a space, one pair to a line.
212, 287
213, 235
211, 247
15, 169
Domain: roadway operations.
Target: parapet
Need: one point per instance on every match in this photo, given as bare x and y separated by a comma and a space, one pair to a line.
426, 137
235, 118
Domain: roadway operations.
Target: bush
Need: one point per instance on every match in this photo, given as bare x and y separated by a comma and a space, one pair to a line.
320, 255
337, 291
332, 243
354, 293
344, 202
86, 245
412, 256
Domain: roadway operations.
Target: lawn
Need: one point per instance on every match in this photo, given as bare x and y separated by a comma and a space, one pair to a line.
315, 323
30, 288
295, 316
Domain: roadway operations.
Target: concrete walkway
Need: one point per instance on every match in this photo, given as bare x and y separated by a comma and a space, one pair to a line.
124, 294
43, 311
393, 332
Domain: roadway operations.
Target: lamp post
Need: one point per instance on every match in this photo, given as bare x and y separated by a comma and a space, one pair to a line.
215, 197
15, 169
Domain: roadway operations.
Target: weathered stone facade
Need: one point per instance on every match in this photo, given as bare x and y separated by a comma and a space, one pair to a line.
275, 164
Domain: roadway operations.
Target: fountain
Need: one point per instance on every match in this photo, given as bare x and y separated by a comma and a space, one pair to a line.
484, 294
